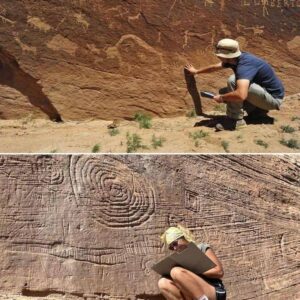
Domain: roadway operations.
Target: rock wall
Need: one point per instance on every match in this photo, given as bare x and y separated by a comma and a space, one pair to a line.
89, 226
110, 59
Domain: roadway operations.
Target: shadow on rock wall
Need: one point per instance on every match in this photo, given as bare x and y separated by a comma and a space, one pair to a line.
12, 75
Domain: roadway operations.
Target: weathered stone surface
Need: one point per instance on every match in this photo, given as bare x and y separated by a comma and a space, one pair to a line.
109, 59
84, 225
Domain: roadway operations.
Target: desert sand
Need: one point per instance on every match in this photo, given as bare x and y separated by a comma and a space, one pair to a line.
30, 135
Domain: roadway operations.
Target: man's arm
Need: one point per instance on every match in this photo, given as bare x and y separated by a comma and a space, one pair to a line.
239, 95
208, 69
217, 271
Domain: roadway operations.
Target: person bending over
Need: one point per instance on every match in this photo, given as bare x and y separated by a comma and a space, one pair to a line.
253, 87
184, 284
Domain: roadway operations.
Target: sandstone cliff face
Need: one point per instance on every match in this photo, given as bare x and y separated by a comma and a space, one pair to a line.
110, 59
90, 226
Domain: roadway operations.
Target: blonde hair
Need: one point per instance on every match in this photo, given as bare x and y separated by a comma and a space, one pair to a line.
174, 233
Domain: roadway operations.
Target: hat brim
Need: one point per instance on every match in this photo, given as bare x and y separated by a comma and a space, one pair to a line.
229, 55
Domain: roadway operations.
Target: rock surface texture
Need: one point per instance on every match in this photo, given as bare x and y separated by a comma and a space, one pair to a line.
88, 227
109, 59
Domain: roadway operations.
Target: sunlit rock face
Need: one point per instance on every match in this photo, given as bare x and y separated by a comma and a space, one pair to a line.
110, 59
84, 225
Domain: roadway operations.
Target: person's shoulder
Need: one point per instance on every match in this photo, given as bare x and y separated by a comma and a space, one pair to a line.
246, 56
203, 247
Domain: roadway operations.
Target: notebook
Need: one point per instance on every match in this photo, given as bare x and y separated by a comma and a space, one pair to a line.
191, 258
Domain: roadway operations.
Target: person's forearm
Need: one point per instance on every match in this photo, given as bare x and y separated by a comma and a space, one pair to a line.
210, 69
234, 96
216, 272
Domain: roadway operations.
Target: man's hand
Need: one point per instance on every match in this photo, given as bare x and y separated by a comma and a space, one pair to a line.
191, 69
218, 98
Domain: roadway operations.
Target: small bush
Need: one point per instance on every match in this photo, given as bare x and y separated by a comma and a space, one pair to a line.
53, 151
295, 118
291, 143
143, 119
157, 142
96, 148
191, 113
134, 142
225, 145
113, 131
261, 143
198, 134
287, 129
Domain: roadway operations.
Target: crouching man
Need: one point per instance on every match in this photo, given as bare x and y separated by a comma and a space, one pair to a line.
254, 86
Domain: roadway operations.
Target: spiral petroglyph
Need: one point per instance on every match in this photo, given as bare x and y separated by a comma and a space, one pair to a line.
119, 197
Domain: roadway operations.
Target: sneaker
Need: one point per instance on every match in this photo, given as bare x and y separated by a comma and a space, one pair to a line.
259, 116
230, 124
258, 113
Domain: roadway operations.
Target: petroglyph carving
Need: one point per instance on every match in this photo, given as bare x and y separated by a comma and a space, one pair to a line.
171, 8
43, 170
3, 16
104, 257
38, 23
93, 49
25, 47
271, 3
136, 17
114, 52
119, 197
60, 43
209, 2
257, 30
192, 201
35, 186
5, 20
80, 19
225, 30
188, 34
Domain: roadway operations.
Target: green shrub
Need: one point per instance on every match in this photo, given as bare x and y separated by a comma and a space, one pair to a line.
261, 143
291, 143
225, 145
295, 118
113, 131
134, 142
144, 120
287, 129
157, 142
96, 148
198, 134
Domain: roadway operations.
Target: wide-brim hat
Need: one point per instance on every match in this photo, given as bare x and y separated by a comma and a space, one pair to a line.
228, 48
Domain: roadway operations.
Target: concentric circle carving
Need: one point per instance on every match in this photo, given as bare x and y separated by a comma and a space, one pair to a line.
115, 195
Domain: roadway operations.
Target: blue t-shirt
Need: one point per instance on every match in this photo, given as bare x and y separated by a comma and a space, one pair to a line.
258, 71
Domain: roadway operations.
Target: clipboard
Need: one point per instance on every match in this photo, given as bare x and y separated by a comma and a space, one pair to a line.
191, 258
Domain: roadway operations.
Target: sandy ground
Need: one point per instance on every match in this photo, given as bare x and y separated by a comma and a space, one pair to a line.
30, 135
50, 297
19, 297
